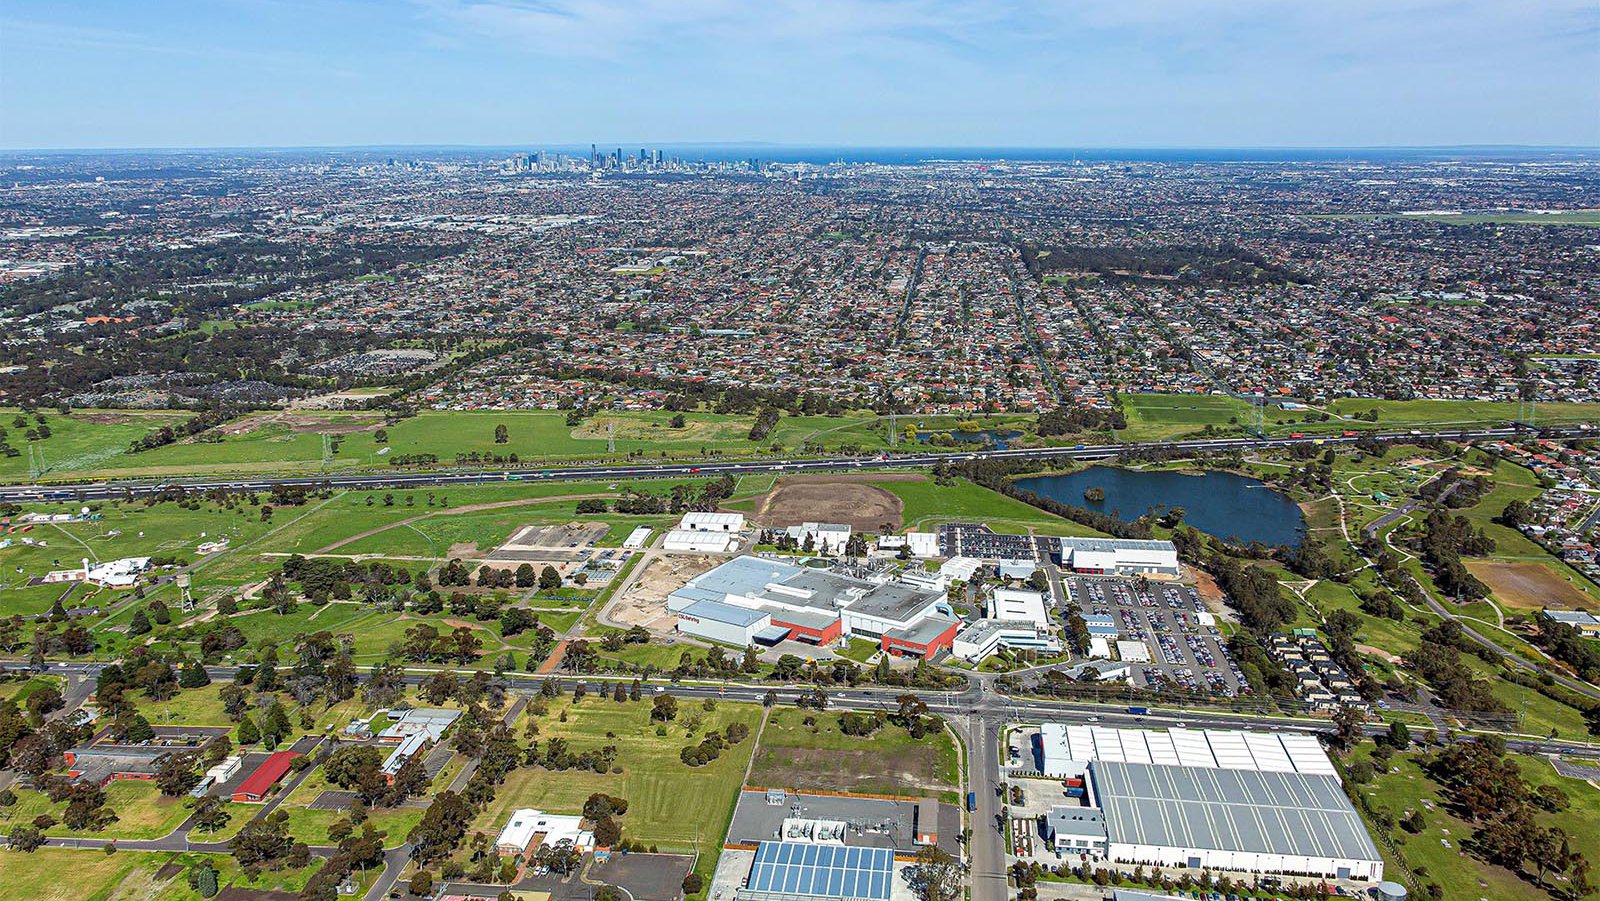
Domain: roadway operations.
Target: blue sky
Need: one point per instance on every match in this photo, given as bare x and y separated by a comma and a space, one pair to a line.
1086, 73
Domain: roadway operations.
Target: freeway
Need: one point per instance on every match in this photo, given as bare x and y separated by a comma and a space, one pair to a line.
372, 481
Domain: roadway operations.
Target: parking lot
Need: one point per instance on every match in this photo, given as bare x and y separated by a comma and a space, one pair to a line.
1171, 621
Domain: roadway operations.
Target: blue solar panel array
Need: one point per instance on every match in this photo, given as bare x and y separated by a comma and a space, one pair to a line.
823, 871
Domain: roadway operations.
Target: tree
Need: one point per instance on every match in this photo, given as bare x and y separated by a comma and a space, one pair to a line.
938, 875
24, 838
422, 883
664, 709
1347, 727
203, 879
524, 577
211, 814
501, 434
140, 624
1399, 736
549, 579
176, 774
248, 733
193, 675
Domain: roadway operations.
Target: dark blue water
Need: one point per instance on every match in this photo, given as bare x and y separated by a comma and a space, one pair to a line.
1228, 506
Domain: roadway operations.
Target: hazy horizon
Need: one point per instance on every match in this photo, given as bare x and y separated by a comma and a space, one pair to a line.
822, 73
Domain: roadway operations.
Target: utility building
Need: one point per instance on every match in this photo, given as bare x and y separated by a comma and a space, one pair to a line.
1119, 556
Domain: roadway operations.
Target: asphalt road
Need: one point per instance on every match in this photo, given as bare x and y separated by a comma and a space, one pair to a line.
91, 491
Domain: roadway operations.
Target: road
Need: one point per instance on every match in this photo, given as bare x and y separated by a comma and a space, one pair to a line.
980, 711
373, 481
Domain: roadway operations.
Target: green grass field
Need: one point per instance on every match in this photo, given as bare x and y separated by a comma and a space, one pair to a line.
928, 504
81, 441
798, 756
141, 811
670, 804
1157, 417
1462, 876
63, 874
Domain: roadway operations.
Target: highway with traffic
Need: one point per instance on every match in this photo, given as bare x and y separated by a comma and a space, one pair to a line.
378, 480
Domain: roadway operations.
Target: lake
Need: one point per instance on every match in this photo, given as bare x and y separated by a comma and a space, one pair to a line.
1219, 503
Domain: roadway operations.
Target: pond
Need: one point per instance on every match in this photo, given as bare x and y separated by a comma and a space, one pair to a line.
1223, 504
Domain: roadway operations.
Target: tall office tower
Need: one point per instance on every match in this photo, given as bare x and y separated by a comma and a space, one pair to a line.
594, 155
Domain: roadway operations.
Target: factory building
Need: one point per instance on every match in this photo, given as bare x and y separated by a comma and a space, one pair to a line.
726, 523
1119, 556
1218, 799
825, 537
1019, 605
980, 639
697, 541
730, 625
820, 607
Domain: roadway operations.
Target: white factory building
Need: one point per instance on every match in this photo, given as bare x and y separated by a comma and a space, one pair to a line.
1019, 605
550, 829
826, 537
1254, 802
979, 640
714, 521
726, 624
1119, 556
695, 541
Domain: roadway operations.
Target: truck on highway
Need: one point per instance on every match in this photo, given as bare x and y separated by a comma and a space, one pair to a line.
1138, 711
972, 801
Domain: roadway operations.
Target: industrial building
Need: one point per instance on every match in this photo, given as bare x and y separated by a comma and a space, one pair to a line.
820, 607
433, 721
527, 824
637, 538
730, 625
825, 537
1119, 556
1019, 605
1218, 799
259, 783
980, 639
797, 871
726, 523
696, 541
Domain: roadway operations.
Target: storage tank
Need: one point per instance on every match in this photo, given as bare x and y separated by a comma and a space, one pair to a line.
1391, 891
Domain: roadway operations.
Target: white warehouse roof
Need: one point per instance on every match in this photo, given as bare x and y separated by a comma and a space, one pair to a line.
1068, 746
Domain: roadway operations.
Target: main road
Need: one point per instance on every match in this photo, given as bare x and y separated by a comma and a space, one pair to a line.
378, 480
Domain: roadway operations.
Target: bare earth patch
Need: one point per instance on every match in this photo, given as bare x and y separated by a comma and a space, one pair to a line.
1530, 586
865, 507
908, 771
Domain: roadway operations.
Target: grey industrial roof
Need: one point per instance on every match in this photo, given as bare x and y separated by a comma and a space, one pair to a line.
1080, 821
716, 611
1116, 544
1297, 814
822, 871
803, 587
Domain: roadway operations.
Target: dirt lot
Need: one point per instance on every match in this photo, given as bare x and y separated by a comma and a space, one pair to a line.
572, 535
1530, 586
305, 422
644, 601
907, 771
794, 500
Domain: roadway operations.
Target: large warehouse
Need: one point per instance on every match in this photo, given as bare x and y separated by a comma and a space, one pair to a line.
1119, 556
793, 871
818, 606
1246, 801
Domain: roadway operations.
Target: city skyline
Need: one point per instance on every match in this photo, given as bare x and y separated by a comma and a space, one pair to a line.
895, 74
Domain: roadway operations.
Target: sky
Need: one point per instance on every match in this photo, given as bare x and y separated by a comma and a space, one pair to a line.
984, 73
